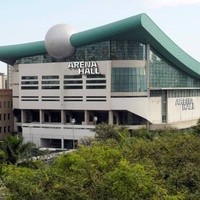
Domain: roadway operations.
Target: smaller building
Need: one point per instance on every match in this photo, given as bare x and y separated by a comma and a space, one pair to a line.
3, 81
6, 113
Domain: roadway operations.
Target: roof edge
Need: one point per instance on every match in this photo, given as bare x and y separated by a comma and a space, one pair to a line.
106, 32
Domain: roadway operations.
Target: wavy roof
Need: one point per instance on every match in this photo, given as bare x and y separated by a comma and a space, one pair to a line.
138, 28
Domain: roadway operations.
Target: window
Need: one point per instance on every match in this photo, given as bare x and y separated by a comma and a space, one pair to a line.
50, 82
72, 76
96, 81
29, 77
50, 87
163, 74
29, 82
73, 87
73, 82
128, 79
96, 87
29, 87
50, 77
96, 76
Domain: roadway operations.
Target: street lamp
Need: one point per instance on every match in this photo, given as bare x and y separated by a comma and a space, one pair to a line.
95, 120
73, 122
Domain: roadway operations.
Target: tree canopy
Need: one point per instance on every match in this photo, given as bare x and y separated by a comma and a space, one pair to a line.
118, 165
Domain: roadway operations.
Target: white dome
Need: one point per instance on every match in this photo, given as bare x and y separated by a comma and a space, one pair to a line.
57, 41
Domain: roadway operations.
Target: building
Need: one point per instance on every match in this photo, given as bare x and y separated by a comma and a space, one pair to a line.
126, 73
3, 81
6, 113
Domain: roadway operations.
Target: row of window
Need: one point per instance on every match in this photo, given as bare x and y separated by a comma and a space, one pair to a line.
164, 75
176, 93
79, 76
5, 129
5, 104
64, 87
108, 50
66, 98
5, 116
123, 79
68, 84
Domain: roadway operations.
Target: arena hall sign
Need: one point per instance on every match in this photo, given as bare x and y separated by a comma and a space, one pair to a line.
85, 68
185, 103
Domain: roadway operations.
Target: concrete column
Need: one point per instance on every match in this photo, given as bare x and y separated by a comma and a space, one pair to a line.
41, 117
62, 143
63, 117
110, 117
86, 113
23, 116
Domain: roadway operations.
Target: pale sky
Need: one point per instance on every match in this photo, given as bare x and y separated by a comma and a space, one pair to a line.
25, 21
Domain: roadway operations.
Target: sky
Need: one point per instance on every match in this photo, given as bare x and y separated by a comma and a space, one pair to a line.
25, 21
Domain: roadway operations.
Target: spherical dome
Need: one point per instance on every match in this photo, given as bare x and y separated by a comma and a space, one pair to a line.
57, 41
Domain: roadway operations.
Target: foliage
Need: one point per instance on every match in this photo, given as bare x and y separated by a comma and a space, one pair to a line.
196, 128
159, 165
105, 131
14, 148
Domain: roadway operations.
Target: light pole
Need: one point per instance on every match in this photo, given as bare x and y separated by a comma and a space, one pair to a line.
73, 122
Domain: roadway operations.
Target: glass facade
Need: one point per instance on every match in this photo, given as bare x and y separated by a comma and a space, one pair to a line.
164, 75
128, 79
108, 50
128, 118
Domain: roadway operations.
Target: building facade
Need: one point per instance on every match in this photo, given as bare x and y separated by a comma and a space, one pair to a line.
124, 73
6, 113
3, 81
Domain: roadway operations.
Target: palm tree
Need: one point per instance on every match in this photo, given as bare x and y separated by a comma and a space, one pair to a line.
14, 148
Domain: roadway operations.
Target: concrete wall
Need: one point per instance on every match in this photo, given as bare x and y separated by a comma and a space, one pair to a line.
182, 109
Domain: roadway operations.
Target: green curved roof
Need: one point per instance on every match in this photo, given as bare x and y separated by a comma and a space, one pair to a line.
139, 28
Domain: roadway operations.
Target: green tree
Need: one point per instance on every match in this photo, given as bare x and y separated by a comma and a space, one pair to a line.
196, 128
104, 131
15, 149
163, 167
129, 181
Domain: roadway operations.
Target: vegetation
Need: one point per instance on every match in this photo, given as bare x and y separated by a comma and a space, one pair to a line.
116, 165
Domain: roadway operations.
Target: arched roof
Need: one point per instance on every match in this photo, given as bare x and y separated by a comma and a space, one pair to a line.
139, 28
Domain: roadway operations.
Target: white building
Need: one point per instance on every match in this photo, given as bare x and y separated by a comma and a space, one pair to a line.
125, 73
3, 81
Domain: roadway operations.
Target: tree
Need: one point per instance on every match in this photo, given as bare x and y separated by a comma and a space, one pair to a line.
15, 150
196, 128
104, 131
163, 167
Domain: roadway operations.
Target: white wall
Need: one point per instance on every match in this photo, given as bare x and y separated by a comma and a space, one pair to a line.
185, 108
61, 69
53, 131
